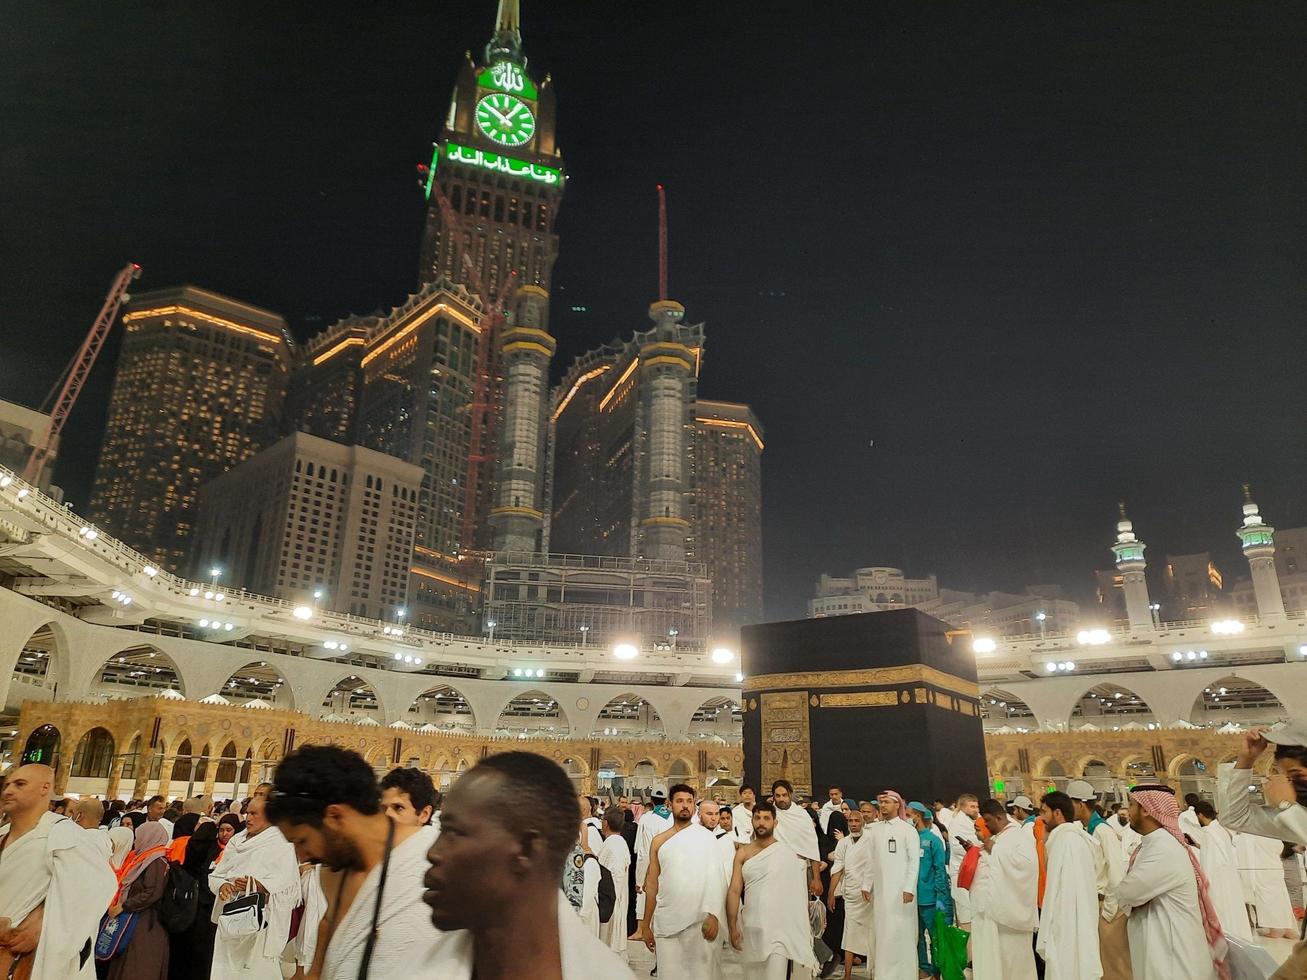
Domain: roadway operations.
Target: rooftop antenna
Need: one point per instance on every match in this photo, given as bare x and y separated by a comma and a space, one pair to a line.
662, 243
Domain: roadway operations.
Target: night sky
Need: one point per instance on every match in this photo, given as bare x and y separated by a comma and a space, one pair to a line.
982, 270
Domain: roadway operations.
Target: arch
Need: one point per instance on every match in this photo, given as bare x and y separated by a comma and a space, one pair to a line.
258, 680
136, 671
1109, 705
350, 696
1239, 699
43, 747
1087, 762
93, 757
627, 714
533, 713
131, 758
681, 770
444, 706
200, 772
226, 771
719, 717
378, 757
999, 707
575, 766
1047, 767
1135, 767
184, 763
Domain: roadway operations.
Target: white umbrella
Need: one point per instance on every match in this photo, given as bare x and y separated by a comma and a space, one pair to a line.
168, 694
333, 717
214, 699
256, 703
1088, 728
400, 724
367, 721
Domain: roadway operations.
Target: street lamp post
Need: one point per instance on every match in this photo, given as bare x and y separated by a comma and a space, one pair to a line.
585, 634
1155, 610
490, 625
1040, 618
673, 633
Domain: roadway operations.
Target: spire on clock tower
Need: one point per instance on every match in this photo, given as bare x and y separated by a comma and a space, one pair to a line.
507, 41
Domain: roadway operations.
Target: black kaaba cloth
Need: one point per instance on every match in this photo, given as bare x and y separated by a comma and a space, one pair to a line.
882, 700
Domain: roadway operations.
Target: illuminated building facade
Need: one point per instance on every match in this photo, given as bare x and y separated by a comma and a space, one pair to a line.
198, 389
622, 439
312, 516
326, 384
1193, 587
728, 441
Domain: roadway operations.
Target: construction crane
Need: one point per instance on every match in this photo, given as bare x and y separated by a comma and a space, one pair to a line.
484, 393
63, 396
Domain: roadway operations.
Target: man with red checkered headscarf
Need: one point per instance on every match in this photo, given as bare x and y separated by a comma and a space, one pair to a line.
1174, 930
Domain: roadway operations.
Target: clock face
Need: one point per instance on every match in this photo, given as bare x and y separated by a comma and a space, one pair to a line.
506, 119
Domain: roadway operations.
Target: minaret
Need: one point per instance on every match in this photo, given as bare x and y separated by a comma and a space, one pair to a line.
525, 350
1258, 539
1129, 552
666, 370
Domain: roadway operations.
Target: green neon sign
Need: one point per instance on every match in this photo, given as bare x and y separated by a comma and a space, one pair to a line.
504, 76
1000, 786
487, 160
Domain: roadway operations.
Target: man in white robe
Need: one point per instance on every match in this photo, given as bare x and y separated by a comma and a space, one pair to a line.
961, 830
257, 859
773, 934
1264, 888
327, 802
730, 961
1068, 919
1174, 930
742, 814
795, 829
683, 894
650, 825
847, 874
616, 857
1217, 859
893, 853
55, 882
1003, 897
1113, 937
834, 804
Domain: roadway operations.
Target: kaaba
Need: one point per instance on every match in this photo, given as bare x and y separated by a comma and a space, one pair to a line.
875, 701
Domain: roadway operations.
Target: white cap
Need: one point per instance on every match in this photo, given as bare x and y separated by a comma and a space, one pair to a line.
1082, 790
1024, 803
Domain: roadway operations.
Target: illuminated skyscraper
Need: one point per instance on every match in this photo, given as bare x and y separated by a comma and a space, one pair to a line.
493, 190
498, 166
728, 509
327, 381
198, 389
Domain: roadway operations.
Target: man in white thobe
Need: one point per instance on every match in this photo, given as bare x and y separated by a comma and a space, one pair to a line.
1264, 888
650, 825
893, 852
1068, 920
833, 805
1003, 897
847, 874
773, 934
1113, 938
616, 857
729, 960
683, 894
55, 882
1173, 927
1217, 859
795, 829
742, 814
961, 829
259, 859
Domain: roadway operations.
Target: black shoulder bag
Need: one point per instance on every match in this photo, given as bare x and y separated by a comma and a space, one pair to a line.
376, 908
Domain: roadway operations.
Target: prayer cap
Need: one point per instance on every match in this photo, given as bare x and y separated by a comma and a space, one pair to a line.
1081, 789
1287, 735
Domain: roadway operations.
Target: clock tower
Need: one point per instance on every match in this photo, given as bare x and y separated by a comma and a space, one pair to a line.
497, 166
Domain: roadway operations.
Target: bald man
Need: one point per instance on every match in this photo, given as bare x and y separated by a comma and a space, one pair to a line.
87, 813
56, 883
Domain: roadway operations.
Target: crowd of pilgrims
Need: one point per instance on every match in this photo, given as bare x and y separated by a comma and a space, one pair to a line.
328, 873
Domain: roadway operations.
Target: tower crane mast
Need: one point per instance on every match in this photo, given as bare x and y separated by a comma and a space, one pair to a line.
63, 396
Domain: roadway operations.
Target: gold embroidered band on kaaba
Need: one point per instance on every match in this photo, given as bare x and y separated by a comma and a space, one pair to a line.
827, 679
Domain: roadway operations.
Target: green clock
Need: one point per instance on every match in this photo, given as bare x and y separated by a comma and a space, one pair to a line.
506, 119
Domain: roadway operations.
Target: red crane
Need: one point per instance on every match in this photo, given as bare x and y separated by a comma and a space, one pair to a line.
63, 396
484, 395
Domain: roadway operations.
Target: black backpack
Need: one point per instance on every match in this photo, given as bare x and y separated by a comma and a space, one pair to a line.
607, 890
181, 897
